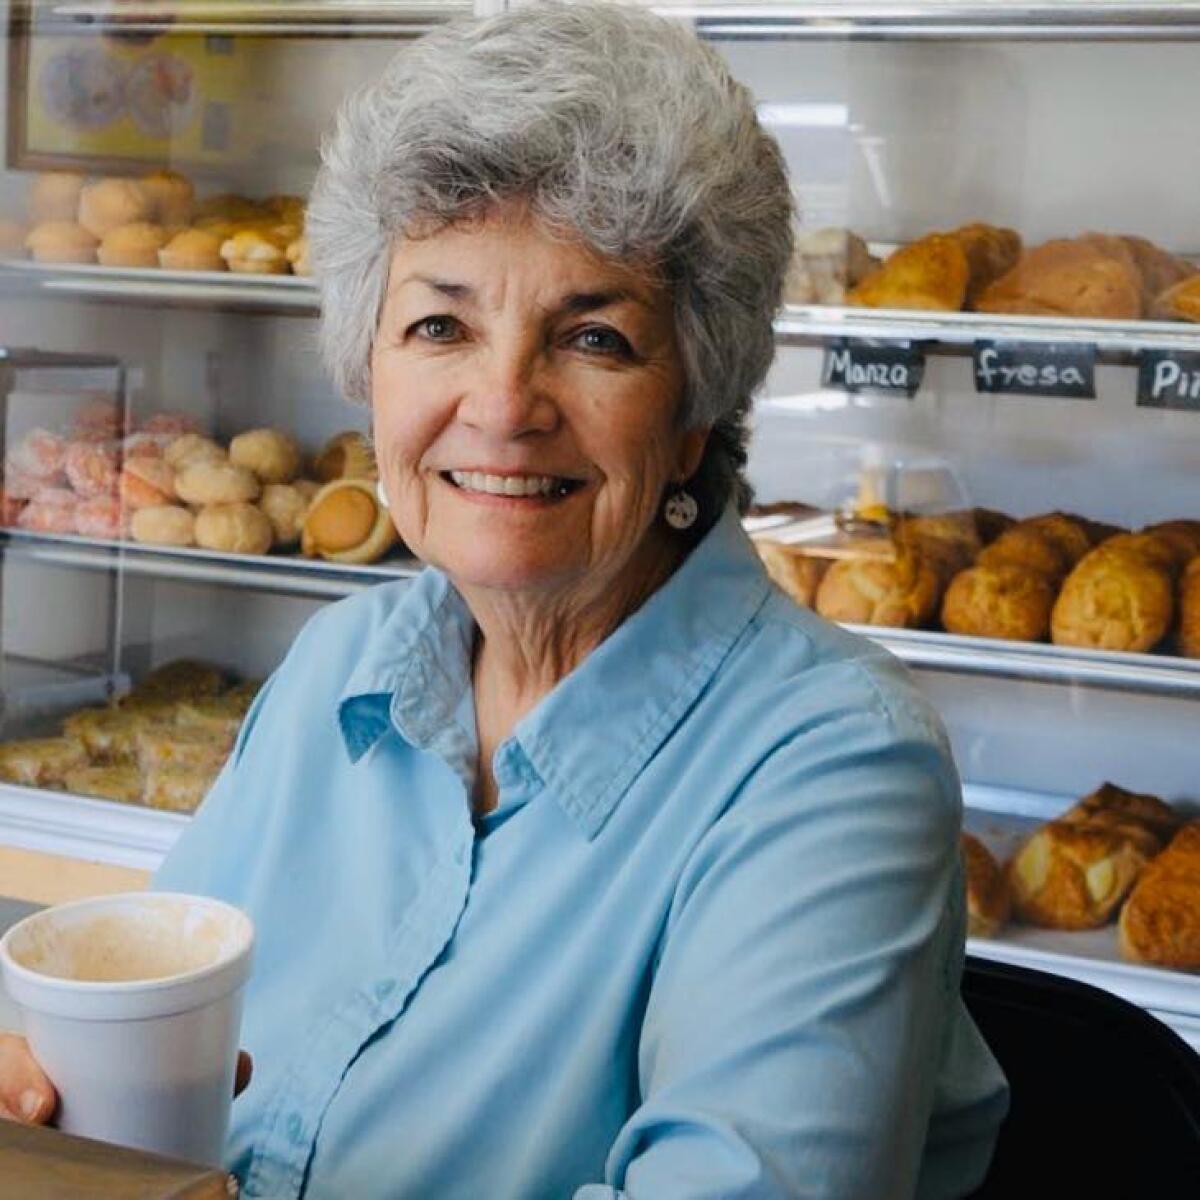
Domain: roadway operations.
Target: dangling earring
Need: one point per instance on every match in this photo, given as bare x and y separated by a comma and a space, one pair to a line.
381, 492
682, 510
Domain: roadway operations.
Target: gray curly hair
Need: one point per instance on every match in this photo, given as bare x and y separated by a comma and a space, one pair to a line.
618, 127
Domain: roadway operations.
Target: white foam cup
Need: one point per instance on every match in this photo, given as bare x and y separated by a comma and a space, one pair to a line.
132, 1004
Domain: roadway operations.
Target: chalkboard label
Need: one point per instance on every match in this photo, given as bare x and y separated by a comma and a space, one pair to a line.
1036, 369
890, 368
1169, 379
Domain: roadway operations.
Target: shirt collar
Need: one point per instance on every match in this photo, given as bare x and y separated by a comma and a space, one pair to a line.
589, 739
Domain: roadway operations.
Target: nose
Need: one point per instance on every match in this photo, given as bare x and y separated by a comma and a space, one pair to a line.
509, 398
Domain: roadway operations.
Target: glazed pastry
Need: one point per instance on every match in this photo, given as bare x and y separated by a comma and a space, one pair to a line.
991, 250
346, 523
100, 517
1158, 269
176, 789
107, 734
38, 456
12, 239
52, 510
237, 528
179, 679
902, 592
1189, 610
144, 482
297, 256
40, 762
1160, 922
254, 252
1073, 876
123, 784
999, 601
1024, 546
61, 242
1145, 818
273, 456
92, 467
931, 273
191, 450
347, 455
163, 525
216, 483
181, 746
1180, 302
54, 196
799, 574
1068, 533
171, 196
107, 203
285, 505
192, 250
1113, 600
1090, 276
988, 899
135, 245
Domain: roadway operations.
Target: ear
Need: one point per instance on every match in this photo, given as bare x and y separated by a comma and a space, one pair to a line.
691, 451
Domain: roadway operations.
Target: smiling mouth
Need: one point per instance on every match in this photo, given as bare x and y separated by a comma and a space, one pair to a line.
536, 487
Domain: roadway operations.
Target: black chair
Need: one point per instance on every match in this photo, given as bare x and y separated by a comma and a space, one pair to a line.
1105, 1097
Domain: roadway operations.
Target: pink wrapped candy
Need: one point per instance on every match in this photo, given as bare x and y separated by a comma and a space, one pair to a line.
92, 467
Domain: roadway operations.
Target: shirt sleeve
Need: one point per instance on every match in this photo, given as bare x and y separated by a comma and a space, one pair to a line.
808, 979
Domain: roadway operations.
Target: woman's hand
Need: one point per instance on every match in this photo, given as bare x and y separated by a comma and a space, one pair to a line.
26, 1093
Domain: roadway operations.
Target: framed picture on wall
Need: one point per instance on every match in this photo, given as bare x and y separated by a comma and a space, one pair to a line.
121, 93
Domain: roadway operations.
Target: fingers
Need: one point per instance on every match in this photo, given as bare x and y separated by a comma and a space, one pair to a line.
26, 1093
245, 1068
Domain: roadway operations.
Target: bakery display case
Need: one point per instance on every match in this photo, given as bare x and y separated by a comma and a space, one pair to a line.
979, 445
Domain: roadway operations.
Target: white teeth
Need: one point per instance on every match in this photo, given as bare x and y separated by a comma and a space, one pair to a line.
509, 485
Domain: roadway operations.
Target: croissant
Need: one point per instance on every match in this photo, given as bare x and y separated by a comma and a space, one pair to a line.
931, 273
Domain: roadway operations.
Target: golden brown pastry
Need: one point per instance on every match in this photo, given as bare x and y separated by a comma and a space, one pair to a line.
1161, 549
1158, 269
145, 483
1185, 533
989, 901
253, 252
1148, 820
902, 592
799, 574
1181, 302
107, 734
54, 196
180, 679
999, 601
1092, 276
176, 789
226, 206
948, 540
1028, 547
347, 455
108, 203
221, 716
181, 746
272, 455
164, 525
991, 250
286, 207
61, 242
191, 449
123, 784
135, 245
346, 523
193, 250
1068, 533
931, 273
237, 528
285, 505
1113, 600
40, 762
297, 256
990, 524
1189, 610
1160, 922
171, 195
1072, 876
216, 483
12, 239
243, 693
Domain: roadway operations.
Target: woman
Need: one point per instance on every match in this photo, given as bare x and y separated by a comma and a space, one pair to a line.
586, 865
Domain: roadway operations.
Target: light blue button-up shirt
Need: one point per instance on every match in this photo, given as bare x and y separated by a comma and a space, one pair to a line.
707, 945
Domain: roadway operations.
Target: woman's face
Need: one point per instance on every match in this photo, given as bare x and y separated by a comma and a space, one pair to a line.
525, 394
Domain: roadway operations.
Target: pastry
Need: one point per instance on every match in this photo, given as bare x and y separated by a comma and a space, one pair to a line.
52, 510
190, 449
1113, 600
1160, 922
1158, 269
107, 734
990, 524
286, 207
988, 899
144, 445
1189, 610
193, 250
1068, 533
991, 250
171, 196
273, 456
123, 784
1185, 533
135, 245
797, 573
144, 482
1092, 276
825, 263
254, 252
100, 517
347, 455
243, 693
346, 523
1028, 547
226, 206
92, 467
220, 715
164, 525
931, 273
237, 528
221, 228
216, 483
297, 256
179, 679
1181, 302
176, 789
61, 242
1148, 820
948, 540
54, 196
181, 746
999, 601
107, 203
12, 239
902, 592
284, 505
1163, 550
38, 456
40, 762
100, 419
1073, 876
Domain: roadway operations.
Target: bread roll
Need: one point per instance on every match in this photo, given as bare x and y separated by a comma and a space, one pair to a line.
1185, 534
1068, 533
931, 273
1149, 821
170, 194
1113, 600
164, 525
1189, 610
799, 574
192, 250
999, 601
1160, 922
238, 528
1160, 549
108, 203
192, 449
346, 523
347, 455
1028, 547
991, 251
989, 901
135, 245
54, 196
146, 482
272, 455
216, 483
250, 251
61, 242
902, 592
285, 506
949, 541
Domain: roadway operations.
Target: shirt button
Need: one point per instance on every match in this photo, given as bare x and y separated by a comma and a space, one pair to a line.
295, 1128
384, 988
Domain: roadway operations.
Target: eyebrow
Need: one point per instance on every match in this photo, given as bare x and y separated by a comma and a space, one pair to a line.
573, 303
